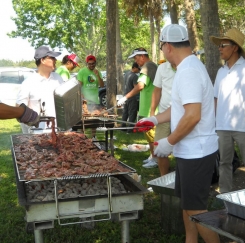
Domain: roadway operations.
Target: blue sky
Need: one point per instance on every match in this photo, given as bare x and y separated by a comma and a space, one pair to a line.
15, 49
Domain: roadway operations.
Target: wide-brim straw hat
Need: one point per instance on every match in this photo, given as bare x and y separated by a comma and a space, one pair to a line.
232, 34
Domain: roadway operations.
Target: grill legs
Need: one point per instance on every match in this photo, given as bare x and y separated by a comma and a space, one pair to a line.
125, 231
38, 234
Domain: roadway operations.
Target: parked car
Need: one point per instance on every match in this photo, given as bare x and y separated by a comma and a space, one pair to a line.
102, 96
11, 79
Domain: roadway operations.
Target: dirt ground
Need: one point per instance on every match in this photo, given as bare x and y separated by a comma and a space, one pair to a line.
238, 184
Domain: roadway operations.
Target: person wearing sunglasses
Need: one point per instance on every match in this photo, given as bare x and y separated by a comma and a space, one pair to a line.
69, 62
229, 96
91, 79
145, 88
37, 91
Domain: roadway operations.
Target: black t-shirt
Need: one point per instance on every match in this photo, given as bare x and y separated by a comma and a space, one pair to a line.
130, 80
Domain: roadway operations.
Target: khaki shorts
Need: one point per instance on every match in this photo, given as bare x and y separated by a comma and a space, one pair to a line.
162, 131
149, 135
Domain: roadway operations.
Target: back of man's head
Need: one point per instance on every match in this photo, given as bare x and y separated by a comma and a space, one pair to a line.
176, 35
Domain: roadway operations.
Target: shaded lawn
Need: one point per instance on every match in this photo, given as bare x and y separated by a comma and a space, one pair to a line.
144, 230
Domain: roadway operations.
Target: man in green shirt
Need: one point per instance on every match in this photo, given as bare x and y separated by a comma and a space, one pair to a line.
145, 87
91, 80
69, 62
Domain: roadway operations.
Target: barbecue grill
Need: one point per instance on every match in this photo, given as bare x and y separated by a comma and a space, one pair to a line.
80, 208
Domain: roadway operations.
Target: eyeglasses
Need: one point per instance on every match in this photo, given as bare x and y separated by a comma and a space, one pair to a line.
224, 45
91, 63
161, 44
52, 58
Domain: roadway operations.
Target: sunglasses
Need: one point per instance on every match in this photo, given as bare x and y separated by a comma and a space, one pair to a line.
52, 58
224, 45
161, 44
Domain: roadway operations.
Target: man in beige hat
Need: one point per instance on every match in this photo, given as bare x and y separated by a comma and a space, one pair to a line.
229, 96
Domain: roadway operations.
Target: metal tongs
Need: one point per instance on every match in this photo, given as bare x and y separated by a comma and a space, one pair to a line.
108, 109
43, 117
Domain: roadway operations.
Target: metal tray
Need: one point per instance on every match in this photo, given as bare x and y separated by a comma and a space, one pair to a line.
234, 202
164, 184
20, 173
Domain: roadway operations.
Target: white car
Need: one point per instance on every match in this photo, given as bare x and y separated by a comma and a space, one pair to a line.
11, 79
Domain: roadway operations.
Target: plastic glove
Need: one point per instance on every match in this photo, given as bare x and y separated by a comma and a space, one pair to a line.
164, 148
145, 124
29, 117
122, 101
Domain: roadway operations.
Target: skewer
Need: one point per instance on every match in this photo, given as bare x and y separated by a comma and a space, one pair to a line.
110, 119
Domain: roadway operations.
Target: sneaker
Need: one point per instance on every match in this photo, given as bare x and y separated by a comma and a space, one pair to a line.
147, 160
151, 164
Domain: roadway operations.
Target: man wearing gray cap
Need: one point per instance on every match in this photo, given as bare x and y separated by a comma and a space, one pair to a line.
193, 140
36, 91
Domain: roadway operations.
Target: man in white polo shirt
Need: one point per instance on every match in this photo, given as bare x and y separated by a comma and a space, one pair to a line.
229, 95
37, 91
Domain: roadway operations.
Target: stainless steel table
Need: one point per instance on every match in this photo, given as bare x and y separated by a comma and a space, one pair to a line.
223, 223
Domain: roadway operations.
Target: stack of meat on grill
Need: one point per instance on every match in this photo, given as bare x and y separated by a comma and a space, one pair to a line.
74, 154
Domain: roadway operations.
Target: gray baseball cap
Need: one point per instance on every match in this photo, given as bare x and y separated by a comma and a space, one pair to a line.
44, 51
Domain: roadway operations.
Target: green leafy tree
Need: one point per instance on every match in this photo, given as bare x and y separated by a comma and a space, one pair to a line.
77, 25
231, 13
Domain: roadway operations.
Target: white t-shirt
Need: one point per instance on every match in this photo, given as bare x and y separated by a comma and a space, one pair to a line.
192, 85
229, 89
164, 80
36, 89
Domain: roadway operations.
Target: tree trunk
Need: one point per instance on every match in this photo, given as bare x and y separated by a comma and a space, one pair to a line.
119, 65
152, 31
191, 24
173, 12
158, 27
111, 86
210, 26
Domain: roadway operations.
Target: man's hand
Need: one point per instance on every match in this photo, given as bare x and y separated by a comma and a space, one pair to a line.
29, 116
145, 124
163, 148
122, 101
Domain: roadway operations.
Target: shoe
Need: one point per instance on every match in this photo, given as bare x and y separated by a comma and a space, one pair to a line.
151, 164
145, 161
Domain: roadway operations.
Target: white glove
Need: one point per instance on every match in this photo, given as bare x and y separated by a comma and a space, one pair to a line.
152, 119
145, 124
163, 148
122, 101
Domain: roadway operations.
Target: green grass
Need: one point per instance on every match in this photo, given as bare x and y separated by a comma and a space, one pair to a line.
147, 229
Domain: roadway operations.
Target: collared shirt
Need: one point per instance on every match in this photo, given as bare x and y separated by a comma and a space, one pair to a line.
229, 89
37, 89
164, 80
